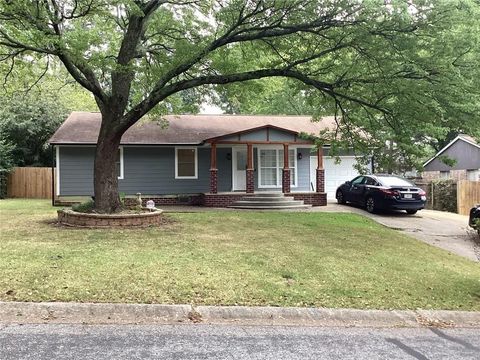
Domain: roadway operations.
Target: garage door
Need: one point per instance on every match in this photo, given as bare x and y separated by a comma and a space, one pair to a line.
335, 174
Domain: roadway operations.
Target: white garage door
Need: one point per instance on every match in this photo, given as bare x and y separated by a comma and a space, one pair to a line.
335, 174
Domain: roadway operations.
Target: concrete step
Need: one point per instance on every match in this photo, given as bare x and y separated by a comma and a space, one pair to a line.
257, 207
267, 198
269, 201
268, 194
285, 202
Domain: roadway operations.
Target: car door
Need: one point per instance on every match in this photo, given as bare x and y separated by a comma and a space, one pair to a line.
356, 189
369, 186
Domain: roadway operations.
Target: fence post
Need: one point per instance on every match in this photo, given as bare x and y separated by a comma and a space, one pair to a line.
432, 194
459, 193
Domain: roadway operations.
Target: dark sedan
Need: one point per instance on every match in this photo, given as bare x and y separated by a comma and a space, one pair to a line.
382, 192
474, 219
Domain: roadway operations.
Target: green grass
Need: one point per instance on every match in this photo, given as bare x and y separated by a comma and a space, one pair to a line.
228, 258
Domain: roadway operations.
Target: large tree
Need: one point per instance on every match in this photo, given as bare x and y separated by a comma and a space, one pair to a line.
134, 55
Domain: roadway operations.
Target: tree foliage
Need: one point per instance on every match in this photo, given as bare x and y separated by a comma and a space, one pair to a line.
26, 124
384, 67
6, 156
427, 84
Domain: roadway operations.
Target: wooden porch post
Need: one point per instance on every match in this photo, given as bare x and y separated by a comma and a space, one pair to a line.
250, 184
320, 171
213, 169
285, 171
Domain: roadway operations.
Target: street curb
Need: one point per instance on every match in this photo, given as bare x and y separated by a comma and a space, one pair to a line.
92, 313
307, 316
99, 313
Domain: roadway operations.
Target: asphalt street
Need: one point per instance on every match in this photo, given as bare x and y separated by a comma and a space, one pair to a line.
53, 341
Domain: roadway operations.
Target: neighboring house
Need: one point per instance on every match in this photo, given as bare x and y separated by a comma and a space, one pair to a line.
205, 159
466, 153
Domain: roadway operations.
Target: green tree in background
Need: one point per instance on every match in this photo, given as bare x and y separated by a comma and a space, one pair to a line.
6, 156
26, 124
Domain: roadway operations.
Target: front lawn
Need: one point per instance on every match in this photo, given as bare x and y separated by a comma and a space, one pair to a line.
230, 258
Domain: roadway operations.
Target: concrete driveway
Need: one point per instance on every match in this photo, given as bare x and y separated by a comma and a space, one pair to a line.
442, 229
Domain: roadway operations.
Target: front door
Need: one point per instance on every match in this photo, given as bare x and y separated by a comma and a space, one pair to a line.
239, 169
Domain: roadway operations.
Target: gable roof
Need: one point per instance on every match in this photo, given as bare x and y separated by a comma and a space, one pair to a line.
462, 137
83, 128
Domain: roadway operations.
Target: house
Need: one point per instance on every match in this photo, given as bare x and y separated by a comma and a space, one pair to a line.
205, 159
465, 152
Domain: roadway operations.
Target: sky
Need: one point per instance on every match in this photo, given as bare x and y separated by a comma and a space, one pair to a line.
210, 109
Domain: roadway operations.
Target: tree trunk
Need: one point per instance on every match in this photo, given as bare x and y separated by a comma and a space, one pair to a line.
107, 199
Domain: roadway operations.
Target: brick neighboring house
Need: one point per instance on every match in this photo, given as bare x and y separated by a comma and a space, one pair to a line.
465, 150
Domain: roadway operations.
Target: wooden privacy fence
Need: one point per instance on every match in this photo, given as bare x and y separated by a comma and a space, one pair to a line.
30, 183
468, 195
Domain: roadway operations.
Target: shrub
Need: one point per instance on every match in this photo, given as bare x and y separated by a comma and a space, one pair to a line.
122, 196
85, 207
444, 195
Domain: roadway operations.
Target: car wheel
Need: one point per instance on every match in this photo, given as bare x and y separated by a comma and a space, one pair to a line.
411, 212
370, 205
340, 198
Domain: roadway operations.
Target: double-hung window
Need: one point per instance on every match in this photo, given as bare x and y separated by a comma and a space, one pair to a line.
270, 164
186, 163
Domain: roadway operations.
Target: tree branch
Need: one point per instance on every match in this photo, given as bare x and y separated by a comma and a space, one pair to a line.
251, 34
157, 96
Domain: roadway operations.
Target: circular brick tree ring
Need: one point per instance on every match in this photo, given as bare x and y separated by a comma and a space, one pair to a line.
73, 218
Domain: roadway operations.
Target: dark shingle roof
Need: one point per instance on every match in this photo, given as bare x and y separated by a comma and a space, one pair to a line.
83, 128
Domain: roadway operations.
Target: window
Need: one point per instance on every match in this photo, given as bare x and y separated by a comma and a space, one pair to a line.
241, 160
270, 163
394, 181
444, 174
358, 180
370, 181
119, 163
186, 163
473, 175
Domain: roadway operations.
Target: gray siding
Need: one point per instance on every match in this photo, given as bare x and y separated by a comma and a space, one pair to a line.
76, 170
149, 170
278, 135
261, 135
466, 155
224, 165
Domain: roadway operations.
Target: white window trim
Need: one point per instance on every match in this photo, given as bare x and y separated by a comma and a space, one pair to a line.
176, 162
279, 166
121, 163
57, 166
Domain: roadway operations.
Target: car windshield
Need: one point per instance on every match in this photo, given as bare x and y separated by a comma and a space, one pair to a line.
394, 181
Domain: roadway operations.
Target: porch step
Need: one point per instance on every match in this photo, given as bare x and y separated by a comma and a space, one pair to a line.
266, 201
267, 194
258, 207
261, 198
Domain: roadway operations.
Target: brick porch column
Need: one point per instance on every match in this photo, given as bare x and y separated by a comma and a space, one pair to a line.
320, 172
213, 169
250, 186
285, 171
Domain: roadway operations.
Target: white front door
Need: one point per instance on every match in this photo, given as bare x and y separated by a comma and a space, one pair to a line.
239, 178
